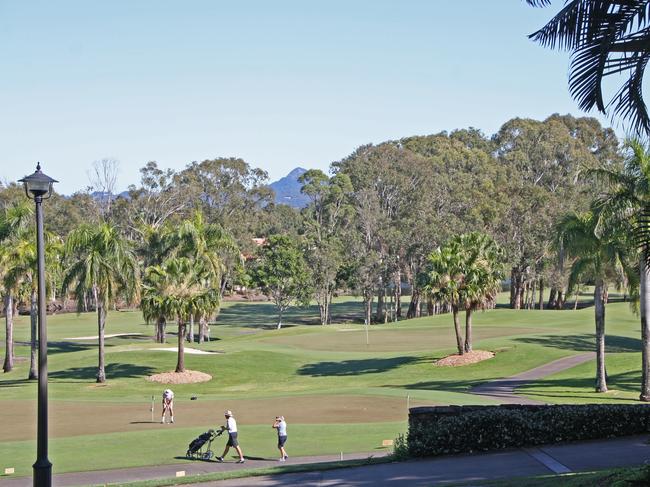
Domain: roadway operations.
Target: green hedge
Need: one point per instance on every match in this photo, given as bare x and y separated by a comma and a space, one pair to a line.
457, 429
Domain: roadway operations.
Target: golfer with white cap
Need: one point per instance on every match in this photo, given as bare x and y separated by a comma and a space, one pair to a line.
281, 425
231, 426
167, 405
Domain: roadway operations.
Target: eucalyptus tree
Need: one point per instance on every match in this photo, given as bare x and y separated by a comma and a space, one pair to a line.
605, 39
282, 274
542, 161
100, 261
599, 256
228, 191
178, 289
325, 220
156, 200
388, 181
626, 204
13, 220
463, 191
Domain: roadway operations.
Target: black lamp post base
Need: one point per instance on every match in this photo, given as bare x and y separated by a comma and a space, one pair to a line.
42, 473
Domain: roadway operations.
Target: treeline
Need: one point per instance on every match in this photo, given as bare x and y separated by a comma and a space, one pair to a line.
439, 216
371, 225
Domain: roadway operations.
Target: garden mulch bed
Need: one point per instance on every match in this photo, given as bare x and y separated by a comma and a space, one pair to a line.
187, 377
472, 357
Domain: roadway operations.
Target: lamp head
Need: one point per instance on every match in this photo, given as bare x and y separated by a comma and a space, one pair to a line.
38, 184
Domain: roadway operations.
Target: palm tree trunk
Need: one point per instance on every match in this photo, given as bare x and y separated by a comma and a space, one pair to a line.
33, 308
599, 306
190, 333
180, 364
459, 333
161, 324
202, 327
9, 333
541, 293
644, 299
468, 330
101, 326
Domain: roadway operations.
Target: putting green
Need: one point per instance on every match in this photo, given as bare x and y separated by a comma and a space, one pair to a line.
75, 418
392, 338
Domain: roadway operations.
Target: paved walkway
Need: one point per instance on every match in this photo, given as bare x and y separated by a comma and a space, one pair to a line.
503, 390
471, 469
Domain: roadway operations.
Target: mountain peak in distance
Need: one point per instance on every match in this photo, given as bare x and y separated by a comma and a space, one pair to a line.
287, 189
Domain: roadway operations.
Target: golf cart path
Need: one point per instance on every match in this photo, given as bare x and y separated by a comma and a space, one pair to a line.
475, 468
503, 390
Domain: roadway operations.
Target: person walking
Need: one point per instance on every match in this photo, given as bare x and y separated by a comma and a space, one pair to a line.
231, 427
167, 405
281, 426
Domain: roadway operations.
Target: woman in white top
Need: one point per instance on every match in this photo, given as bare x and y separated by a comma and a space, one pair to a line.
231, 426
168, 405
281, 425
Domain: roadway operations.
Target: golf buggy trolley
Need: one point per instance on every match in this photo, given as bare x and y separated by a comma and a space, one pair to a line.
200, 447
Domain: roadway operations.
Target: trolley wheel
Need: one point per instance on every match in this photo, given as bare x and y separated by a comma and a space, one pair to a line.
208, 455
188, 454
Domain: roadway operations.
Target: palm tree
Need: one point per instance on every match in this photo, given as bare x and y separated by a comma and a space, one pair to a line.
13, 220
626, 206
210, 245
601, 257
466, 273
178, 288
22, 268
605, 38
102, 262
443, 282
483, 274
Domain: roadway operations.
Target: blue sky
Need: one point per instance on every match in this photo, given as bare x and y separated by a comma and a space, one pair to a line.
278, 83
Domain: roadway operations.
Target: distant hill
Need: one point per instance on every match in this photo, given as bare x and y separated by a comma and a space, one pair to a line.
287, 189
99, 195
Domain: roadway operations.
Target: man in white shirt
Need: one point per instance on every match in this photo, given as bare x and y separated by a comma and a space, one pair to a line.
231, 426
168, 405
281, 425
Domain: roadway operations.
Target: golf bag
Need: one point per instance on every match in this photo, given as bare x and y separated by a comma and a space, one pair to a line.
200, 447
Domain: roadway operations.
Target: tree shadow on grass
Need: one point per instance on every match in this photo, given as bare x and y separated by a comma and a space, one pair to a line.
356, 367
629, 381
113, 371
462, 386
584, 343
65, 347
16, 382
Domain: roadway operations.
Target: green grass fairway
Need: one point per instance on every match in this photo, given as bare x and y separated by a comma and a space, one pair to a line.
337, 393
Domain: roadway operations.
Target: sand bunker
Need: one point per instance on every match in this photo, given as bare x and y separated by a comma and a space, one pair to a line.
187, 377
187, 350
105, 336
467, 358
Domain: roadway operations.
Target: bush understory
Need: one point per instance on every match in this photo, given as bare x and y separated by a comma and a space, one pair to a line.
460, 429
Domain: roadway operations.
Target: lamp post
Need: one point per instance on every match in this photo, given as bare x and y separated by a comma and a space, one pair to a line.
38, 187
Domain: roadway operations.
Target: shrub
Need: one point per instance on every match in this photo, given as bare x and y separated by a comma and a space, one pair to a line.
456, 429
